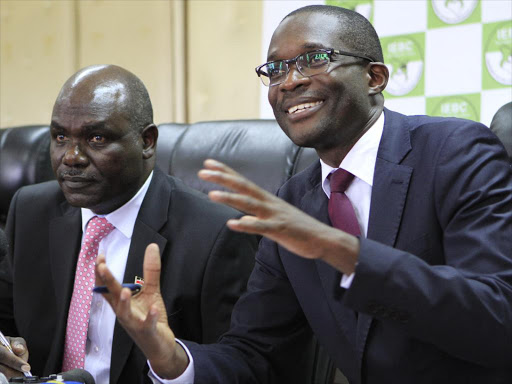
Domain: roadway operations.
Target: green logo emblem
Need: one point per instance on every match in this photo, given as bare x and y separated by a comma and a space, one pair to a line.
404, 57
454, 11
462, 106
498, 53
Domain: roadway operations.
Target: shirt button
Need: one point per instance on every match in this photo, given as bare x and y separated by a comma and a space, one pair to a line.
96, 349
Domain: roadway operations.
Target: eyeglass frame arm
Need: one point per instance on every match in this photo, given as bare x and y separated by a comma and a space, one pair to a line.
330, 51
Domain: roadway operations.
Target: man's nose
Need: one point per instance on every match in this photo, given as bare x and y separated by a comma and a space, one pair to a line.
293, 79
74, 156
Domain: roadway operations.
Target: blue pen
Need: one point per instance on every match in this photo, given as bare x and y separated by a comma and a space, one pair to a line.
133, 287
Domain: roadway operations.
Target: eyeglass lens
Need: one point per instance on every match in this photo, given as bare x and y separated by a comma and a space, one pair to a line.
308, 64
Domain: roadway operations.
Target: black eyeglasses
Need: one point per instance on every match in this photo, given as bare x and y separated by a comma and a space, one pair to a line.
308, 64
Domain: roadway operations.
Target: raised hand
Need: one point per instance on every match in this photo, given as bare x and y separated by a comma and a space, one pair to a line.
13, 364
144, 317
274, 218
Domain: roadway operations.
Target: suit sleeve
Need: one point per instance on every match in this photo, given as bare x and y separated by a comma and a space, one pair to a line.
268, 334
7, 324
464, 305
229, 265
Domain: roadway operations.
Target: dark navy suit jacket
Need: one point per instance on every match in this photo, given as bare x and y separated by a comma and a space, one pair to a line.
432, 288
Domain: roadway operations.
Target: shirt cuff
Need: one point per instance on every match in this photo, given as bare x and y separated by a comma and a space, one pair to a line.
346, 281
186, 377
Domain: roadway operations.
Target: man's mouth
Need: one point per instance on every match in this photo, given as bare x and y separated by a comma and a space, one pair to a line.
76, 182
300, 108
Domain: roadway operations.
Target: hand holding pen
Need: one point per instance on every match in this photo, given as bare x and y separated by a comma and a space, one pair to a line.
13, 361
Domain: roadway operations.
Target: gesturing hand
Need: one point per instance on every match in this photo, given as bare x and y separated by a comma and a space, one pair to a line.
274, 218
144, 317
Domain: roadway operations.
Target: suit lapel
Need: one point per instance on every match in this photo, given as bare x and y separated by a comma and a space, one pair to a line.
151, 218
389, 194
314, 203
64, 244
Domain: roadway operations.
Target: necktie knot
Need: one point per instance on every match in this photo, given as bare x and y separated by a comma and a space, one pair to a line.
97, 229
340, 180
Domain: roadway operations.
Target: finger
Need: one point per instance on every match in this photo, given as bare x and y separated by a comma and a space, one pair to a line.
251, 224
152, 267
151, 318
234, 182
19, 347
12, 361
106, 278
219, 166
123, 309
243, 203
99, 260
8, 372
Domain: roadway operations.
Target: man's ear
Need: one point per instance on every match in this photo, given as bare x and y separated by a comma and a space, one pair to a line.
149, 138
379, 76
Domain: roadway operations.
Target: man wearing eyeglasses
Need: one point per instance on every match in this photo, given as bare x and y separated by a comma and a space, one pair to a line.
395, 249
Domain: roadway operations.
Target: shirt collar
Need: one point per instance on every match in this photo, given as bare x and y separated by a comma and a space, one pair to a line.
360, 160
123, 218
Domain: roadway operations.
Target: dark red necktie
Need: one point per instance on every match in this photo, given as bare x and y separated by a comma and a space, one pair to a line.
341, 211
343, 216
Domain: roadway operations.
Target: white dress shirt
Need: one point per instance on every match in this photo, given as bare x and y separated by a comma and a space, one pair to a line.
115, 247
359, 161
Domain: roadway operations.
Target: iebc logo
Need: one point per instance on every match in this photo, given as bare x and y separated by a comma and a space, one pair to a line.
498, 53
454, 11
404, 59
456, 106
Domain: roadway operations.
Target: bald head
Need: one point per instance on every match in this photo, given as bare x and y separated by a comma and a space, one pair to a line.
103, 139
109, 86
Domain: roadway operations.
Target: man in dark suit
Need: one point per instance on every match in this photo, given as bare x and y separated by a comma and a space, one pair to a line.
103, 144
414, 283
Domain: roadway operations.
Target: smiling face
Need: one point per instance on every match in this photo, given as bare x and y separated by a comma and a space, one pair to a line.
99, 158
328, 110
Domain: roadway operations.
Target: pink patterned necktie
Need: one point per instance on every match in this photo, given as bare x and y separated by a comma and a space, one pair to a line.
341, 211
80, 307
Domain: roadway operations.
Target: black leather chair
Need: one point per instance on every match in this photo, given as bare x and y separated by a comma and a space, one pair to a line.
3, 245
24, 160
256, 148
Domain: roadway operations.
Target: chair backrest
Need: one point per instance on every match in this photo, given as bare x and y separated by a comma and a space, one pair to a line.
24, 160
257, 148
